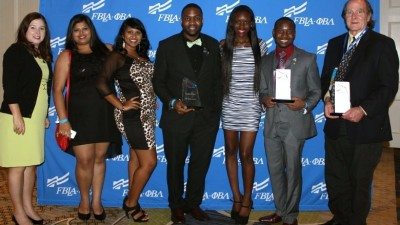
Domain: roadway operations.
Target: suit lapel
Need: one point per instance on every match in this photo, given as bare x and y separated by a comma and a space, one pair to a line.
358, 53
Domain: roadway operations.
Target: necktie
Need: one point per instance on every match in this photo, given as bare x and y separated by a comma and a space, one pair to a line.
343, 66
195, 42
282, 60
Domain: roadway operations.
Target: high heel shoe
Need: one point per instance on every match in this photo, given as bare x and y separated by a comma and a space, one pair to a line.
41, 221
234, 213
102, 216
84, 216
244, 219
135, 211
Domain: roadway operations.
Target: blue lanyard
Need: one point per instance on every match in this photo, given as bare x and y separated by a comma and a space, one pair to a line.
354, 43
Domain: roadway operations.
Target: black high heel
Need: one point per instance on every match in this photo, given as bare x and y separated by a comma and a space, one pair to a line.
133, 211
234, 213
84, 216
14, 220
41, 221
102, 216
244, 219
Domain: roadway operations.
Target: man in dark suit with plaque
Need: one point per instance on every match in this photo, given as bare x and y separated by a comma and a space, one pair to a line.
368, 61
187, 80
288, 122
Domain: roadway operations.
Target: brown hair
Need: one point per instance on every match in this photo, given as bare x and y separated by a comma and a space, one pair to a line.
44, 50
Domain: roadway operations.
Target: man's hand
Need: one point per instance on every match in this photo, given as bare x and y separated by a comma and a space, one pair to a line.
354, 114
181, 108
267, 102
297, 104
329, 110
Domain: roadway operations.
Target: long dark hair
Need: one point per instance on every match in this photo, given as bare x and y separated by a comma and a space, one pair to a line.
44, 50
143, 47
227, 49
95, 42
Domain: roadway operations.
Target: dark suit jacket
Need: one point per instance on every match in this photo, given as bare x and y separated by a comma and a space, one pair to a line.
172, 65
21, 79
374, 78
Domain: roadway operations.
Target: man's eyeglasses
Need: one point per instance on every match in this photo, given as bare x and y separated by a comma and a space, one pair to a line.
358, 12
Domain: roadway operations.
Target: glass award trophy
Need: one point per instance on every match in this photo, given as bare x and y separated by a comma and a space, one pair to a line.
190, 94
342, 97
282, 90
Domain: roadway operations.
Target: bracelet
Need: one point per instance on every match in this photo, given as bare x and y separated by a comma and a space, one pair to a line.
62, 121
172, 104
122, 108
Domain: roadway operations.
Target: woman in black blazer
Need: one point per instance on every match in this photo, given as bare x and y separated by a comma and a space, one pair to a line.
26, 81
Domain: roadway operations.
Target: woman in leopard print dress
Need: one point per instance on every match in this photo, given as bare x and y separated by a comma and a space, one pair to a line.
135, 107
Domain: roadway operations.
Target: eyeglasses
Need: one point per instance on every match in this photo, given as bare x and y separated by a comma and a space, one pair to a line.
358, 12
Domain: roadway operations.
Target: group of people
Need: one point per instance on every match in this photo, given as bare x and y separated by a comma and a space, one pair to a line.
112, 90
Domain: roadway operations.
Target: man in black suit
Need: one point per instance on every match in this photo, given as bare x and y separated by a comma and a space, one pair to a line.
353, 141
193, 55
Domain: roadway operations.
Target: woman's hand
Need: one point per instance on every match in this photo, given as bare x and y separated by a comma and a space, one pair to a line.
133, 103
46, 123
65, 129
19, 124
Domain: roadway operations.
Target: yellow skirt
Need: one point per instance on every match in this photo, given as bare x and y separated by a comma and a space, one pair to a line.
27, 149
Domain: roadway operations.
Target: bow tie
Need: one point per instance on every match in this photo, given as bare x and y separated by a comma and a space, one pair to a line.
195, 42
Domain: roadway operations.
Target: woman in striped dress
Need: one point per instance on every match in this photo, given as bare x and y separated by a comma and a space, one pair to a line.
241, 110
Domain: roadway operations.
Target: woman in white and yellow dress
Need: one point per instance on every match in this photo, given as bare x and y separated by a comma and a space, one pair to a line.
26, 81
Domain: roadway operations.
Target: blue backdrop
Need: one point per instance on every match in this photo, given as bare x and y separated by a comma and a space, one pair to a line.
317, 22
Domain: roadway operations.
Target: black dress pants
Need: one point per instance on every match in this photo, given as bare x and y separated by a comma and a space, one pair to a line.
199, 137
349, 170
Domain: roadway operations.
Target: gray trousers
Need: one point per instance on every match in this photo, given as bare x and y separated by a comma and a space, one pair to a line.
283, 152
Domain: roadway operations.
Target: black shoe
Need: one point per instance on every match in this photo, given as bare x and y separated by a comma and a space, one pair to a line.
234, 213
136, 212
102, 216
333, 221
84, 216
41, 221
244, 219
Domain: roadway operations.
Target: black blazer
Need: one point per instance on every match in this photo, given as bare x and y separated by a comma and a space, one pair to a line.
21, 79
172, 64
374, 78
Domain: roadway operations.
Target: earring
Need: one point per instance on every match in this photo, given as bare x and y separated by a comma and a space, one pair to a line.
139, 47
123, 44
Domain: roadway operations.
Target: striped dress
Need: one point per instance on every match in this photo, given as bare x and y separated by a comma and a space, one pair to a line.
241, 109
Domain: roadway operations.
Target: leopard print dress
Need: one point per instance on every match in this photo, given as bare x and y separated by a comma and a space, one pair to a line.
141, 73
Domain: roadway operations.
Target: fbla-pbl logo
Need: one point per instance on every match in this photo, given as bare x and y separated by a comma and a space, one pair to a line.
102, 16
93, 6
161, 157
119, 184
163, 17
219, 152
56, 181
306, 21
320, 189
153, 9
259, 194
226, 9
59, 43
313, 162
216, 195
319, 117
321, 49
294, 10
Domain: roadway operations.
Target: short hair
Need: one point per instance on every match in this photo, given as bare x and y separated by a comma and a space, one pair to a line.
371, 22
191, 5
284, 19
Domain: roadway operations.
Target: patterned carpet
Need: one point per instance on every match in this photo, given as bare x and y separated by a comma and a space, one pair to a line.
383, 207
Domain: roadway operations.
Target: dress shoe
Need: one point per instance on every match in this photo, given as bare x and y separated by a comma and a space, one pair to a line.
331, 222
177, 215
273, 218
294, 223
198, 214
41, 221
102, 216
84, 216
